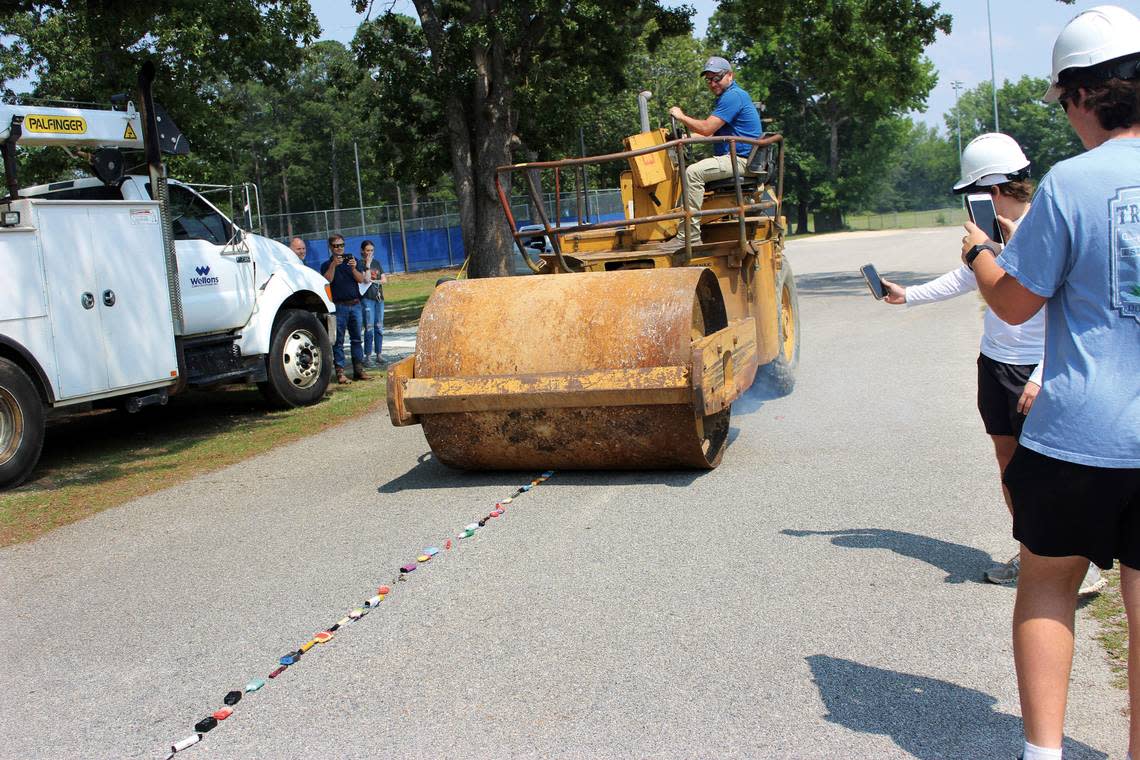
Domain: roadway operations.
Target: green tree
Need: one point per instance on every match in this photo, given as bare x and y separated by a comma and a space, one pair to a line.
831, 72
484, 57
918, 170
87, 50
1041, 129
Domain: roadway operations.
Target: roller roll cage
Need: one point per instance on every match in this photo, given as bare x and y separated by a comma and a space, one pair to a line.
530, 170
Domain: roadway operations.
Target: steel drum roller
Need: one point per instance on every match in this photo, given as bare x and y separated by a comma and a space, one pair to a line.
573, 371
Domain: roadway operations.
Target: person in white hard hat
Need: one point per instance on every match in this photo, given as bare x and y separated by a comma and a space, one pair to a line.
1009, 359
1075, 477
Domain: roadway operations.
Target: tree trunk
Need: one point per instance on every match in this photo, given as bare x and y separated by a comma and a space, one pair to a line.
285, 196
802, 218
828, 220
831, 219
479, 126
335, 187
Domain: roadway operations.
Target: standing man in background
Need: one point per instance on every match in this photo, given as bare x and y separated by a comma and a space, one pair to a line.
733, 115
1075, 477
297, 246
345, 278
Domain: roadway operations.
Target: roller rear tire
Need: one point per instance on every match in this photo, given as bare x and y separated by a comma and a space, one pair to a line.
780, 373
22, 420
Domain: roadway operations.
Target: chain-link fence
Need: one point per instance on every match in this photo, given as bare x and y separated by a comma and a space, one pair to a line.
426, 235
423, 235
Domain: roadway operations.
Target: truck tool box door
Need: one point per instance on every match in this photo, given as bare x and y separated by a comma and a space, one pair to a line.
215, 277
106, 278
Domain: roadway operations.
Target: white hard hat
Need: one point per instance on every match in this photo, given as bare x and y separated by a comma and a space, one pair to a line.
1100, 34
991, 159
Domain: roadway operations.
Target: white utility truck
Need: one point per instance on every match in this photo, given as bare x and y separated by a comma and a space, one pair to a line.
134, 288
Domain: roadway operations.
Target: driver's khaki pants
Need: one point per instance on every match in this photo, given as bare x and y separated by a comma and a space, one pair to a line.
696, 175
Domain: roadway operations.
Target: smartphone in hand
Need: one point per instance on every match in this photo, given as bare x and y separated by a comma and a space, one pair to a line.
980, 207
878, 290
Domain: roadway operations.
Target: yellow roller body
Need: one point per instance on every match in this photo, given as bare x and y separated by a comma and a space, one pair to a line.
629, 369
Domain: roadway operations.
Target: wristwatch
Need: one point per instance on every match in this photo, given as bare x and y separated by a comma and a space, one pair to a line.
973, 253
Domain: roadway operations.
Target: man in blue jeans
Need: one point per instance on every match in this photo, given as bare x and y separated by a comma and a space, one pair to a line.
344, 277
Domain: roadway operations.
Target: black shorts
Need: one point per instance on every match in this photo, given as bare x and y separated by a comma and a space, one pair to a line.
999, 389
1062, 509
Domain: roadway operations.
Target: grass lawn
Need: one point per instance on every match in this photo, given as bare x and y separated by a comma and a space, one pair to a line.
1108, 609
100, 459
103, 458
406, 294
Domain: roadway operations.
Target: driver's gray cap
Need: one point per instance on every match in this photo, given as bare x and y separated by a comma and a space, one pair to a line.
717, 65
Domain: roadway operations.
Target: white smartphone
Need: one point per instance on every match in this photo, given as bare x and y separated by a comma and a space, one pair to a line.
980, 207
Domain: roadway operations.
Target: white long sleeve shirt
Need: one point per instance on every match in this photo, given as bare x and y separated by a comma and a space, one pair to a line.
1001, 341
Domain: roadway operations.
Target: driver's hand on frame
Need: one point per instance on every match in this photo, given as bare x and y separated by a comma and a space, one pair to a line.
676, 112
896, 294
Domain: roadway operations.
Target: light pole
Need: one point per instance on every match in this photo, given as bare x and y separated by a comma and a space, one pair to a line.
957, 85
993, 78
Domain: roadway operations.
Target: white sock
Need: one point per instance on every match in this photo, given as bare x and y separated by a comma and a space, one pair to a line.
1033, 752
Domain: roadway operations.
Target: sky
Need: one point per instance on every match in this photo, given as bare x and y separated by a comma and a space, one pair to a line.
1023, 35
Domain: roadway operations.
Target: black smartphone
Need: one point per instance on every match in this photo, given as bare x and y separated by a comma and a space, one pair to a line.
878, 290
980, 207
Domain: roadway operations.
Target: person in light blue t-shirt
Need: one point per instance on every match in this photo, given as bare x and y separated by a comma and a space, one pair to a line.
1075, 478
734, 115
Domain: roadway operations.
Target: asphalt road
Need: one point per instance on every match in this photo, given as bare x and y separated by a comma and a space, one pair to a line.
817, 596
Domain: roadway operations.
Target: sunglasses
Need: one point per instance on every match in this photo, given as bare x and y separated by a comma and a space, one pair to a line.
715, 79
337, 245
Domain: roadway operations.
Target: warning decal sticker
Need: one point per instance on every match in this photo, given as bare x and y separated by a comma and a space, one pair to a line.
65, 125
129, 133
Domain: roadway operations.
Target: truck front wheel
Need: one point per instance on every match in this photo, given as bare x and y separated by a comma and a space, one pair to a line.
299, 363
21, 425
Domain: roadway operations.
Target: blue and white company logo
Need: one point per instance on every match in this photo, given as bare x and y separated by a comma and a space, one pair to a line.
203, 278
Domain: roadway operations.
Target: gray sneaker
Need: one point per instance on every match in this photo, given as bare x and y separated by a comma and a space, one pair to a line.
1005, 573
1093, 583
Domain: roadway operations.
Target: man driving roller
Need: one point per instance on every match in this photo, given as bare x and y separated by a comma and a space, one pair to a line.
733, 115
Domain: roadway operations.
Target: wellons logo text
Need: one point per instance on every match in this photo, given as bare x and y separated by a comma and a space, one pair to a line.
203, 278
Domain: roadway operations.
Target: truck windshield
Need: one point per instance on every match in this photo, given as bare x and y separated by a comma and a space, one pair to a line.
194, 219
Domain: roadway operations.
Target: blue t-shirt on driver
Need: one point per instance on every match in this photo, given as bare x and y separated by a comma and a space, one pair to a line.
734, 107
1079, 246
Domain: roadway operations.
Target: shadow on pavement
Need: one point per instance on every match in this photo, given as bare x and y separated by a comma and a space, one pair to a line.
852, 283
429, 473
924, 716
960, 563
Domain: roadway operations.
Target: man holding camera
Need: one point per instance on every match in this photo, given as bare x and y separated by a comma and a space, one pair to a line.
344, 277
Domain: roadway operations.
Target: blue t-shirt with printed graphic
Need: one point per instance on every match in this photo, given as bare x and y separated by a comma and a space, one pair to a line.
734, 107
1079, 246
